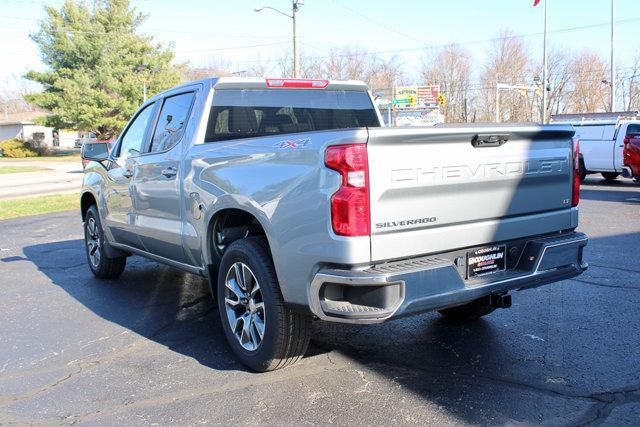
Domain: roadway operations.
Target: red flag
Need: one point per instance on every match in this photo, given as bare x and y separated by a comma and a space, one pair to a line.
535, 2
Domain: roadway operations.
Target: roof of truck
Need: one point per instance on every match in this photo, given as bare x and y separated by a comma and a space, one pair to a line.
261, 83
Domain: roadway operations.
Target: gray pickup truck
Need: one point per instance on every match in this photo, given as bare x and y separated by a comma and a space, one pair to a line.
295, 203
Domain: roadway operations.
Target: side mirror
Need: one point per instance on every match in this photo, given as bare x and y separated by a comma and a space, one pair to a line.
95, 151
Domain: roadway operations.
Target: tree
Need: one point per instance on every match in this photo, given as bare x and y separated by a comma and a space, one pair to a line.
450, 68
507, 62
12, 92
589, 94
96, 65
629, 85
559, 78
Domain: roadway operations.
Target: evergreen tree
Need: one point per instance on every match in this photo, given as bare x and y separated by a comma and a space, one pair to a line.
96, 66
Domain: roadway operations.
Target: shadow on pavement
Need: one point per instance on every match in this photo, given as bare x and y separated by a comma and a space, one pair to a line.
610, 195
159, 303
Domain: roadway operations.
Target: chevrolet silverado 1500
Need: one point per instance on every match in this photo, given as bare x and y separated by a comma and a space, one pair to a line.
295, 203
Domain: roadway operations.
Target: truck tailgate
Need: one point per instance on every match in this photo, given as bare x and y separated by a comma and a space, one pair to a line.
445, 188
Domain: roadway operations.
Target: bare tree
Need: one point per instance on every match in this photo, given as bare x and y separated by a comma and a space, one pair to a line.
589, 92
214, 67
508, 62
629, 85
450, 68
559, 78
12, 92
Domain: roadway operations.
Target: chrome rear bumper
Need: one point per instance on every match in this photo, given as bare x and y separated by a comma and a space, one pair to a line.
412, 286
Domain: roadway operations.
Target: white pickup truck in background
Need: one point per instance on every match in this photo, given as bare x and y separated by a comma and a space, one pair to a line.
601, 138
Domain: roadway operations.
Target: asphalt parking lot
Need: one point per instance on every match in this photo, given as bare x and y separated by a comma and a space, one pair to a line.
148, 348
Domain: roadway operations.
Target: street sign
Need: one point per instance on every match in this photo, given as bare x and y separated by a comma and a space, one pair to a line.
417, 96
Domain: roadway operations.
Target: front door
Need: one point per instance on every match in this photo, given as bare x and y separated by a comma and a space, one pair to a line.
119, 189
158, 202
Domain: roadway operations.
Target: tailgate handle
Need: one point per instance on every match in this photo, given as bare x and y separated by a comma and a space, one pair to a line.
480, 140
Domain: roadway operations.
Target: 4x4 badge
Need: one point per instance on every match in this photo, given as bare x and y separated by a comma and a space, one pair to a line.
293, 143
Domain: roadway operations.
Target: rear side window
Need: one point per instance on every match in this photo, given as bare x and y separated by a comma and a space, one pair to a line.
632, 129
172, 121
256, 112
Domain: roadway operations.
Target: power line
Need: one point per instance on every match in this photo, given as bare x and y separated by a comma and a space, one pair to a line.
380, 24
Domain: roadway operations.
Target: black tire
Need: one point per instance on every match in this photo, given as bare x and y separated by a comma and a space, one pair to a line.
285, 333
583, 171
610, 176
103, 267
467, 312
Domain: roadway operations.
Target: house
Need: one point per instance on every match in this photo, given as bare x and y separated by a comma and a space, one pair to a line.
22, 125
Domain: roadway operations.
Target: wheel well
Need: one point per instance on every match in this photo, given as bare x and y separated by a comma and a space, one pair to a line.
86, 201
229, 225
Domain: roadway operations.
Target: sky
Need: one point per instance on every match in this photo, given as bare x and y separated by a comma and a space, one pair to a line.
204, 30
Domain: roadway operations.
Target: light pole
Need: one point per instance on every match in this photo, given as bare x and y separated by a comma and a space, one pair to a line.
613, 60
295, 7
544, 64
142, 68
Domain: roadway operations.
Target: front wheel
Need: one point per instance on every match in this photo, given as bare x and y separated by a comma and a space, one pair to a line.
101, 266
610, 176
262, 331
469, 311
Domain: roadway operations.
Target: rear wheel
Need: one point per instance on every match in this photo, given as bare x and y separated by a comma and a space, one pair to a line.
582, 171
469, 311
610, 176
101, 266
261, 330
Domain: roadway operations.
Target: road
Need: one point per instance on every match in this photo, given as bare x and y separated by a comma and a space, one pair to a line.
149, 349
59, 178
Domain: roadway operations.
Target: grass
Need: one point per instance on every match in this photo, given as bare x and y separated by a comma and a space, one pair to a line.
56, 158
18, 169
15, 208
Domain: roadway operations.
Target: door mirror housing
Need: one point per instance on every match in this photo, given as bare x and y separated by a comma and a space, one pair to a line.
95, 151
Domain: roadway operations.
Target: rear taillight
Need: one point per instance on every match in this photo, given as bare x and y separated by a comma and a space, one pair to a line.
575, 196
625, 150
297, 83
350, 204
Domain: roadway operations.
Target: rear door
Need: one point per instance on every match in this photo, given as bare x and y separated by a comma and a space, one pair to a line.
597, 146
442, 188
158, 196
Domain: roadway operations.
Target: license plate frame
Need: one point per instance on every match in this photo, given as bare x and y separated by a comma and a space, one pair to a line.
486, 260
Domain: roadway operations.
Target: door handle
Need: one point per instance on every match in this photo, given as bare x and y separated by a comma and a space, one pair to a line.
127, 173
169, 172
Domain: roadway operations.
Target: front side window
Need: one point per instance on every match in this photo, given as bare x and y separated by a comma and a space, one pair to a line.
133, 139
250, 113
172, 121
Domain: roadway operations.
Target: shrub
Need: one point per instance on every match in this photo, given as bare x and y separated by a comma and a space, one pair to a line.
16, 148
39, 146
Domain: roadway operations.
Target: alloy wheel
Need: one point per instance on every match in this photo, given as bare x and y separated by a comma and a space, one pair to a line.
93, 242
244, 306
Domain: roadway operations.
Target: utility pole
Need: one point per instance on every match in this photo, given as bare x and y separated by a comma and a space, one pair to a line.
497, 102
544, 64
613, 60
296, 60
295, 8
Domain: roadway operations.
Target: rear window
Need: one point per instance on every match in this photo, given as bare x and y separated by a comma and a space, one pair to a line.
255, 112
